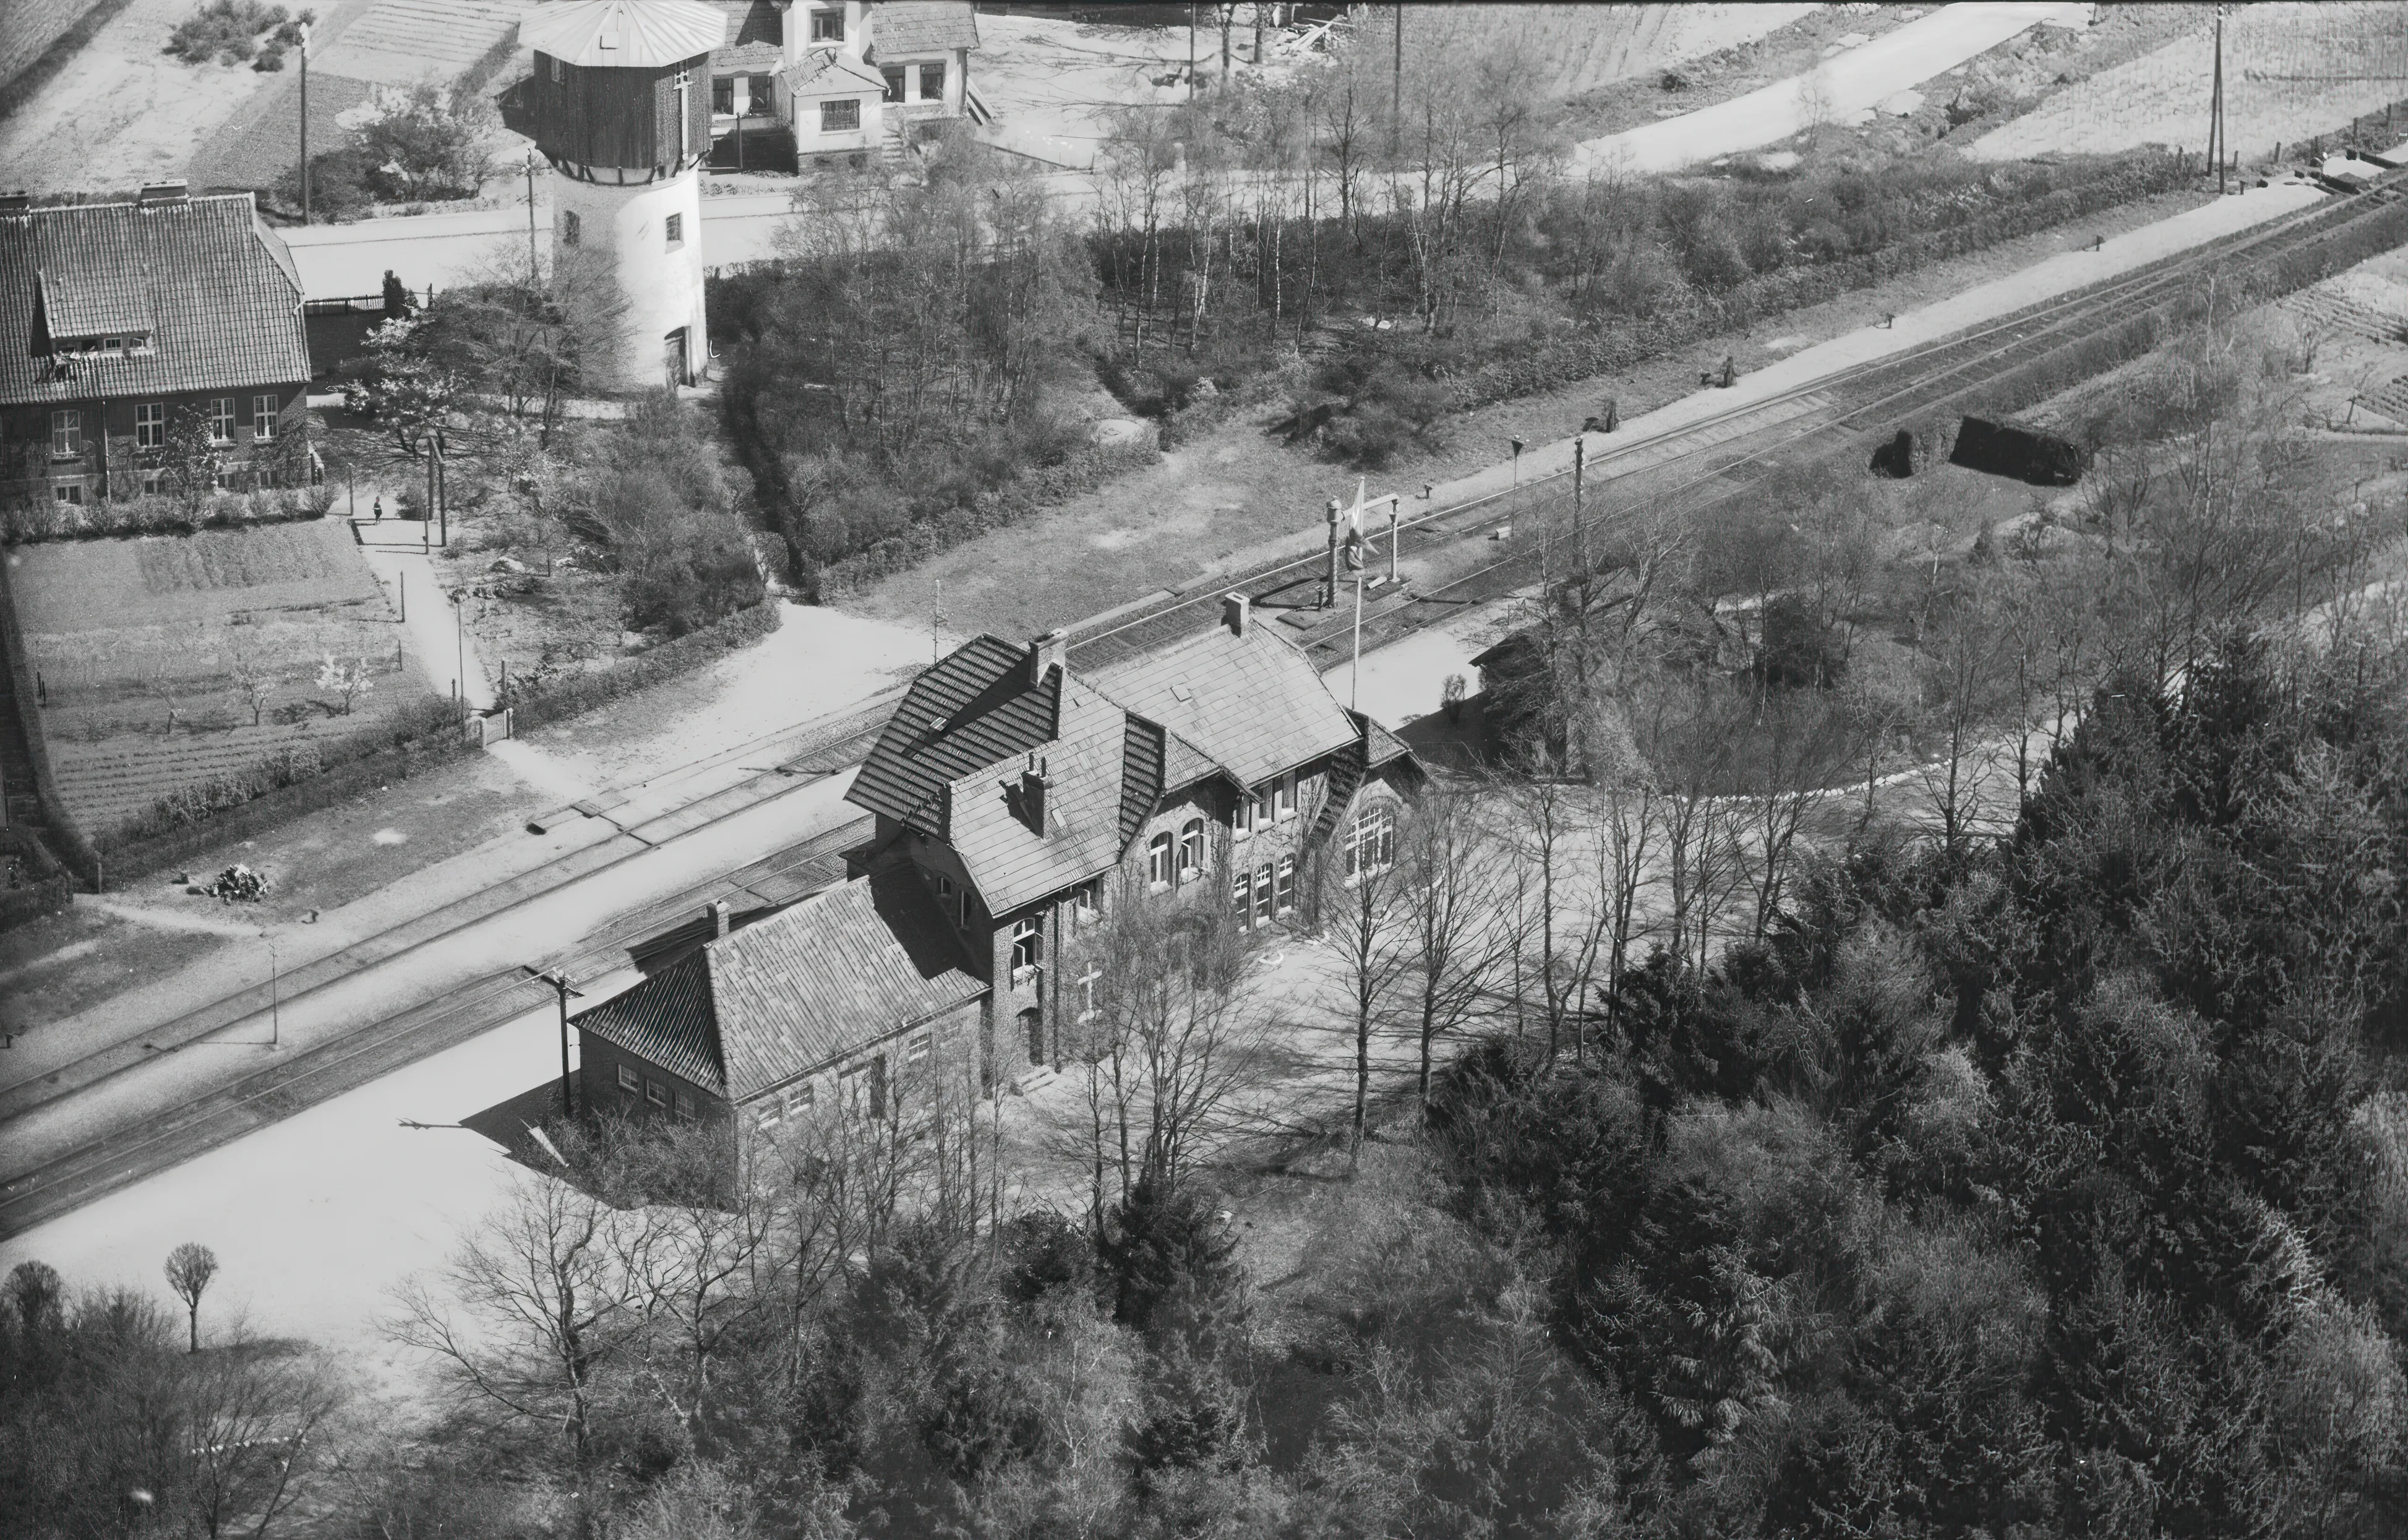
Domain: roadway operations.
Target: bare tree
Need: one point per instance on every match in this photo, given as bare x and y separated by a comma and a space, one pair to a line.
254, 681
1359, 904
253, 1416
1449, 887
190, 1268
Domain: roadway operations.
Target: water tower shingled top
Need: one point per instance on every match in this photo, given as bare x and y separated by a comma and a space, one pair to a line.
620, 92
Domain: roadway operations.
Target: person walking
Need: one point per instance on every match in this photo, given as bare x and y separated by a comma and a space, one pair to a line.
380, 508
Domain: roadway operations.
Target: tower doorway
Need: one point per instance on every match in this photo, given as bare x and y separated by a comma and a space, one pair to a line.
673, 358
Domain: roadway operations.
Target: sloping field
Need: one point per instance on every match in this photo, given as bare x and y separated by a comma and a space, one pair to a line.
1572, 48
399, 41
129, 635
2291, 71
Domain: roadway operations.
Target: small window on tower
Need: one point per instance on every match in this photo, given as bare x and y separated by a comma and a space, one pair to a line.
827, 26
571, 228
677, 231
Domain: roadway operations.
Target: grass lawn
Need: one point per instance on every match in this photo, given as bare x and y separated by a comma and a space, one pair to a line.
140, 643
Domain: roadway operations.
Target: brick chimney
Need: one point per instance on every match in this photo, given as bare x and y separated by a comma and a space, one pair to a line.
1049, 651
1236, 610
1032, 794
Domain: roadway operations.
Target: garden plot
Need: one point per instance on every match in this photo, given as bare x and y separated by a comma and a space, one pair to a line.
2290, 71
172, 660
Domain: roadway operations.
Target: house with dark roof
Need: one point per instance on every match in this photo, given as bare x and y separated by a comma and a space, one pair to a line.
125, 325
1015, 802
849, 78
860, 993
1029, 799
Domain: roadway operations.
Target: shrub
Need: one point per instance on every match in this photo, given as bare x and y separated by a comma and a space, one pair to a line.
228, 31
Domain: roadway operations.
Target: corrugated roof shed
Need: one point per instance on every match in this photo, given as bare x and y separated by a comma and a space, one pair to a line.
1252, 704
976, 706
215, 288
666, 1020
902, 28
817, 984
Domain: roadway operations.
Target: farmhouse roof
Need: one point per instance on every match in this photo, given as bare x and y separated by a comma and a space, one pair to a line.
816, 984
995, 830
902, 27
215, 290
624, 34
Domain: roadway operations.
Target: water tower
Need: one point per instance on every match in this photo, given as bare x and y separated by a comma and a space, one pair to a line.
619, 104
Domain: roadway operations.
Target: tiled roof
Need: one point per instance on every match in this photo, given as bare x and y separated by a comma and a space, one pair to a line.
900, 27
624, 33
1009, 861
666, 1020
1380, 746
966, 711
815, 985
822, 73
832, 976
216, 289
757, 37
1251, 702
1184, 764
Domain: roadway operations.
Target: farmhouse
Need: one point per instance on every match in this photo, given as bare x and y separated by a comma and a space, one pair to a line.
143, 337
1016, 804
847, 79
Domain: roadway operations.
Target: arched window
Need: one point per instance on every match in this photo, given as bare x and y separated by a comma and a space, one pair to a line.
1191, 849
572, 229
1157, 860
1372, 841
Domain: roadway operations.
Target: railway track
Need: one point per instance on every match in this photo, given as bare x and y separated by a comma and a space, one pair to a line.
1689, 471
1726, 453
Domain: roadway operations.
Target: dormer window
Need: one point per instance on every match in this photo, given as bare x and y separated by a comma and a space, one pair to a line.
827, 24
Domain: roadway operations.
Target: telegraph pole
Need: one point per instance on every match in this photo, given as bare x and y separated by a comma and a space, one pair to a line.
304, 122
535, 270
560, 986
2215, 105
1396, 87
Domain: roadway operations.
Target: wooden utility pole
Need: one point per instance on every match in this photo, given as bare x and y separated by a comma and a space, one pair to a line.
1397, 87
534, 267
2215, 147
560, 986
304, 122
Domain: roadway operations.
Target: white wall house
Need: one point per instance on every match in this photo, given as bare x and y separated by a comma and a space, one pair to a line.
849, 78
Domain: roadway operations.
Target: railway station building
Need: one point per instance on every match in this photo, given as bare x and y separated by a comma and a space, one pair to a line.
1016, 804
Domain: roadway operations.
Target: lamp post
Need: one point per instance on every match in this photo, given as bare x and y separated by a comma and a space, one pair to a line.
1517, 460
460, 657
275, 1001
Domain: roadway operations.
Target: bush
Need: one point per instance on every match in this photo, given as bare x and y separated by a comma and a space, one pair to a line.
339, 185
148, 515
556, 700
228, 31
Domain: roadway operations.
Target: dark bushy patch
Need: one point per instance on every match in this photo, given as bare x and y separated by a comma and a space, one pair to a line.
557, 699
229, 30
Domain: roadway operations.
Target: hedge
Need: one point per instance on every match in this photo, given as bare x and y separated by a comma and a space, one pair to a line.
1583, 355
108, 519
50, 888
1029, 494
558, 698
